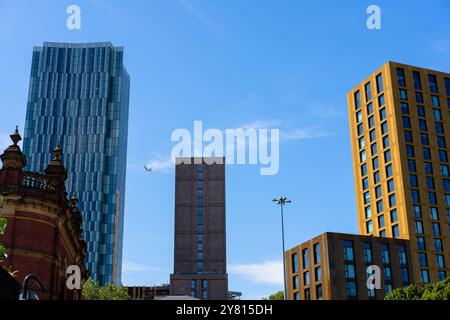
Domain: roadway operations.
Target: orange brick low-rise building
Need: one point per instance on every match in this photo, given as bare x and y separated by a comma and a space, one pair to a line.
43, 234
334, 266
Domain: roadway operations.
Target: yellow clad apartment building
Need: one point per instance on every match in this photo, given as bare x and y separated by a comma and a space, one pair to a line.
400, 134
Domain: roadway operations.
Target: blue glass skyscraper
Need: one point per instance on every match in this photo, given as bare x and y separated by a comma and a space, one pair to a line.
78, 97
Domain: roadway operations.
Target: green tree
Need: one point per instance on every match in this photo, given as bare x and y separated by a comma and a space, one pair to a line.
92, 291
279, 295
2, 232
2, 247
411, 292
436, 291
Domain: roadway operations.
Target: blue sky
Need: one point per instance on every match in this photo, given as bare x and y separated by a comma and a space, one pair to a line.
279, 64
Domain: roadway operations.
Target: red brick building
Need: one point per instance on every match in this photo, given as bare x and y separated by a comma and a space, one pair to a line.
43, 235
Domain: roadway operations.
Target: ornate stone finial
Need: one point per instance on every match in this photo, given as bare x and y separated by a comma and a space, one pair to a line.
12, 157
55, 170
57, 152
15, 137
74, 199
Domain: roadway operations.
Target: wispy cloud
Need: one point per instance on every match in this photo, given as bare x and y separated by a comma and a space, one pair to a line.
267, 272
160, 163
304, 133
197, 13
165, 164
157, 162
135, 267
287, 133
193, 10
260, 124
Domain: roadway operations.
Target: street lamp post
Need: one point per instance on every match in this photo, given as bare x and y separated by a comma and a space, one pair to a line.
282, 201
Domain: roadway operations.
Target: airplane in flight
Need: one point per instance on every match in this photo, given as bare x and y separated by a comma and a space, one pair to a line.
148, 169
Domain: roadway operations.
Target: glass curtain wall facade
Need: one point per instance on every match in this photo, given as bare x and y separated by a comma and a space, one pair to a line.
79, 98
